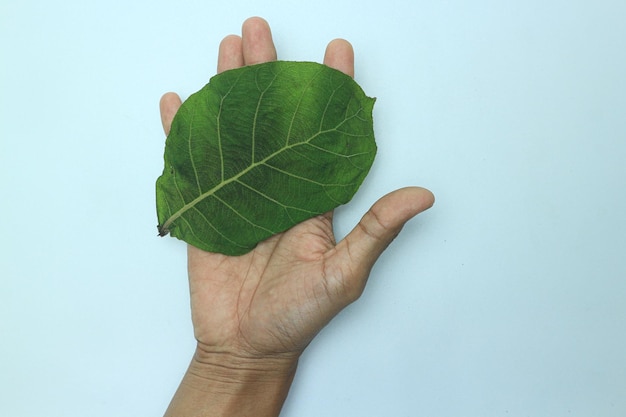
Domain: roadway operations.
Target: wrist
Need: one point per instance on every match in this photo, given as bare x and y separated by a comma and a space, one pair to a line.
225, 368
228, 384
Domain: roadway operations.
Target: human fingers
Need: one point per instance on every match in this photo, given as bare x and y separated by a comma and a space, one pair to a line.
340, 56
257, 43
358, 251
230, 54
169, 104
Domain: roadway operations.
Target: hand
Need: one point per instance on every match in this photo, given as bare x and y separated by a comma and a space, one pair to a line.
266, 306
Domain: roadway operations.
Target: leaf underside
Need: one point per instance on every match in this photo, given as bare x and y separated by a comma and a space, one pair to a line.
260, 149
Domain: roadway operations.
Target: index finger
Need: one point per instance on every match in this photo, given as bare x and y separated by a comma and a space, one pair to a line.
340, 56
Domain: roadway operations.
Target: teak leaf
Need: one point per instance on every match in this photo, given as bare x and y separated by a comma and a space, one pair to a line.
260, 149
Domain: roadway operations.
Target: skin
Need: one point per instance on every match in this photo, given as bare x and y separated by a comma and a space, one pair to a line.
254, 315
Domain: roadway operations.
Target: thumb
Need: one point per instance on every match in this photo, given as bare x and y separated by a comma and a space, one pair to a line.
358, 251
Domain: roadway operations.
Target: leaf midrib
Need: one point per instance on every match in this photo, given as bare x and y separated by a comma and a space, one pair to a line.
234, 178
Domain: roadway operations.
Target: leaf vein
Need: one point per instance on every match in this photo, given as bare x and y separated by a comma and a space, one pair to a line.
212, 227
299, 177
219, 125
234, 210
330, 99
284, 206
337, 154
295, 113
256, 112
189, 149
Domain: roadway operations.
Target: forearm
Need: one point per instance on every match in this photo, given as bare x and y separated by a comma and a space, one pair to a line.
218, 385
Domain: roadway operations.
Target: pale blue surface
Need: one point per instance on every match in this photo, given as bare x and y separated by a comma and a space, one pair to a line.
507, 298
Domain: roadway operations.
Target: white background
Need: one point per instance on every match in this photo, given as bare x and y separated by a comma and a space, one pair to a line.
507, 298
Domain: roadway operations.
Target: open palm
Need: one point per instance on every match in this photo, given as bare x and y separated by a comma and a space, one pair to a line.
273, 300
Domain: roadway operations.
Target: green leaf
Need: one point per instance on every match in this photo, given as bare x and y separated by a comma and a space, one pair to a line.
260, 149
